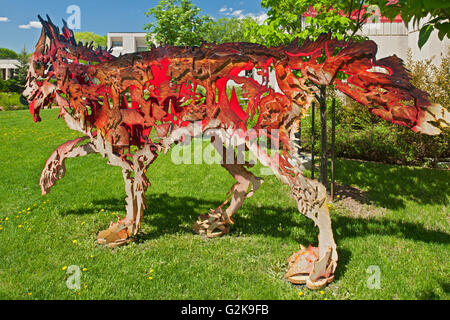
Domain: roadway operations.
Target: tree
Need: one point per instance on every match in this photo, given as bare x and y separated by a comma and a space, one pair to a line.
7, 54
437, 11
290, 19
23, 59
177, 23
88, 37
228, 30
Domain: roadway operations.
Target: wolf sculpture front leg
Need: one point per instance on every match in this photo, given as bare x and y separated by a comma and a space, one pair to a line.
136, 184
55, 167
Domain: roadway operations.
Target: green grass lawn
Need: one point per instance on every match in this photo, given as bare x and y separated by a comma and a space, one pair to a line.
409, 241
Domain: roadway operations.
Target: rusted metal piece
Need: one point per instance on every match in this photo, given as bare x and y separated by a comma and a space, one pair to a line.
132, 107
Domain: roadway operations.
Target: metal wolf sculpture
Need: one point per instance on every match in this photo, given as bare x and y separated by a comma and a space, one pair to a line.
131, 107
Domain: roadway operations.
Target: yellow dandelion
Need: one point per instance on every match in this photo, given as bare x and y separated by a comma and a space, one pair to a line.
28, 209
6, 219
19, 226
82, 222
150, 278
92, 257
84, 269
17, 216
30, 293
85, 286
1, 228
300, 293
321, 292
102, 210
151, 270
74, 241
64, 268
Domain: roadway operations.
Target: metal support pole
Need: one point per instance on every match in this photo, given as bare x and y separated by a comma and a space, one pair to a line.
333, 152
323, 138
313, 133
299, 137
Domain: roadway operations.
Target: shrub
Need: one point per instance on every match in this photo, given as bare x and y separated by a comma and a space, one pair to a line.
10, 101
10, 85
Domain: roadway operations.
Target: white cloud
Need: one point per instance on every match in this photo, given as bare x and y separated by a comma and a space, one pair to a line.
225, 10
31, 24
4, 19
237, 13
260, 17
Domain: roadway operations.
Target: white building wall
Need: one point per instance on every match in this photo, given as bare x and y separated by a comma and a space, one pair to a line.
434, 48
396, 38
7, 68
131, 42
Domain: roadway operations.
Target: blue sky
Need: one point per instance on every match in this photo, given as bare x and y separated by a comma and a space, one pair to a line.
19, 27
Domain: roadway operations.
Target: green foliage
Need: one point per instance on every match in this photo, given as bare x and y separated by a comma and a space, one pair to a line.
431, 78
7, 54
415, 10
285, 20
228, 30
177, 23
10, 101
88, 37
22, 70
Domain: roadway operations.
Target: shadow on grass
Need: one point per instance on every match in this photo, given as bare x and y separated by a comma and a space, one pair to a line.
389, 186
171, 214
174, 214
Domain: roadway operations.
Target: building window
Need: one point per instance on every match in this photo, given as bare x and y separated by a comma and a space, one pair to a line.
141, 49
117, 42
